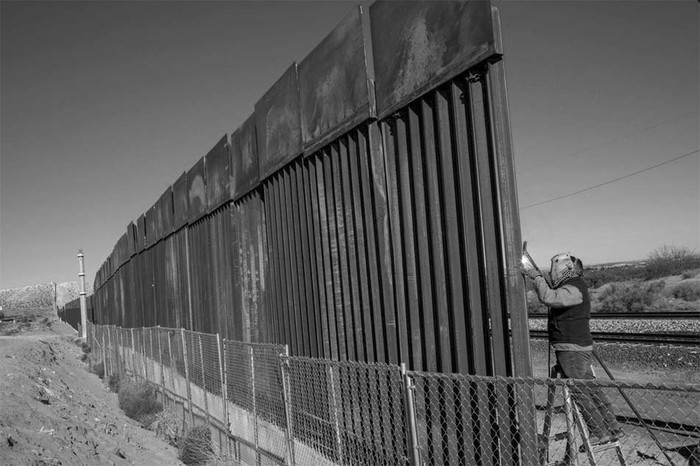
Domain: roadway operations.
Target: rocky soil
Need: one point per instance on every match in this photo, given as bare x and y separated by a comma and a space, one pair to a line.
54, 412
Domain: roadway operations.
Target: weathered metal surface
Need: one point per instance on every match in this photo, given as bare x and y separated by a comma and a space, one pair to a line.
158, 221
249, 250
166, 212
181, 202
244, 159
420, 44
150, 230
277, 123
199, 256
140, 233
220, 274
196, 191
334, 84
218, 166
131, 239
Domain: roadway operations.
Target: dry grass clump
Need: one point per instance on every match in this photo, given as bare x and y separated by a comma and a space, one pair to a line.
166, 425
138, 401
99, 370
196, 447
114, 383
687, 291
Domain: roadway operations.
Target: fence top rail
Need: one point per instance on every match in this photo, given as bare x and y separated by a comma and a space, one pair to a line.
547, 381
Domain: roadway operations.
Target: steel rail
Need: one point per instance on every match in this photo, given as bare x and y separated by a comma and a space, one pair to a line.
682, 339
633, 315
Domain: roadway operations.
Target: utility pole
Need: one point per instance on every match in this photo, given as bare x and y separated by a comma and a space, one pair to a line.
83, 302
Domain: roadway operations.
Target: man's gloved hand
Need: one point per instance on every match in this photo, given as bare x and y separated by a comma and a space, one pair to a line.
529, 271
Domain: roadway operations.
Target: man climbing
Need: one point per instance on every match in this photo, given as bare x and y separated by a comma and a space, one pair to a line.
570, 337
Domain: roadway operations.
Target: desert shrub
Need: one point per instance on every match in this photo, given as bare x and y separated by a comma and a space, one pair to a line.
85, 347
689, 274
196, 447
634, 297
138, 401
687, 291
114, 383
84, 357
99, 370
670, 260
166, 425
595, 278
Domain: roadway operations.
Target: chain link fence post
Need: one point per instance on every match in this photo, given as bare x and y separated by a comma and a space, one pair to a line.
411, 430
104, 350
133, 354
170, 333
255, 411
334, 414
187, 375
204, 379
160, 363
287, 398
224, 392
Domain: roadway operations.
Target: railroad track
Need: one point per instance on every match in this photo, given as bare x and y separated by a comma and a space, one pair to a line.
634, 315
682, 339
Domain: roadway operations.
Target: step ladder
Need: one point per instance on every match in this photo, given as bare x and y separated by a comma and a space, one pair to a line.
574, 421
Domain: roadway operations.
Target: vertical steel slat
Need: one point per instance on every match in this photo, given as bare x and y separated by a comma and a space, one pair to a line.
278, 266
364, 308
490, 260
406, 342
325, 231
464, 159
435, 215
317, 251
285, 265
294, 266
236, 225
335, 266
409, 249
420, 232
301, 257
388, 316
356, 329
271, 305
309, 254
346, 304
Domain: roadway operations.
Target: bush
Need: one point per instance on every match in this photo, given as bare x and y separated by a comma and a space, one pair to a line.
138, 401
113, 383
670, 260
196, 446
687, 291
635, 297
85, 347
99, 370
595, 278
166, 425
689, 274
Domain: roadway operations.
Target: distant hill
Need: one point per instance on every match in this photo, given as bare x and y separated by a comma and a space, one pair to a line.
41, 295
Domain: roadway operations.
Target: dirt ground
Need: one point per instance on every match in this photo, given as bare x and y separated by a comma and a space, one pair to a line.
54, 412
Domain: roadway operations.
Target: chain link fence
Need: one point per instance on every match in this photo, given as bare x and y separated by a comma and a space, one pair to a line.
266, 407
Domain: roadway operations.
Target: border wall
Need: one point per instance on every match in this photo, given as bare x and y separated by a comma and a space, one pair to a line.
365, 211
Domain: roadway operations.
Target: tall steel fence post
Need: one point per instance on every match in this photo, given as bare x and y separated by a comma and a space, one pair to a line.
104, 351
110, 350
162, 368
187, 376
204, 379
411, 430
224, 391
287, 398
143, 355
133, 354
334, 414
255, 410
172, 365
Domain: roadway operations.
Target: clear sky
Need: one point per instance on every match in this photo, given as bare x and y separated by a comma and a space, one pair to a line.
104, 104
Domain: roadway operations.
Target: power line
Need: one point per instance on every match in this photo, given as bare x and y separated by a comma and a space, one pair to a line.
610, 181
608, 141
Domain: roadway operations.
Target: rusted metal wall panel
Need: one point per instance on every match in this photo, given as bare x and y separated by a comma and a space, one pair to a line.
221, 271
196, 191
141, 233
418, 45
150, 231
218, 166
199, 257
131, 239
149, 316
249, 248
244, 159
181, 202
334, 83
166, 212
277, 124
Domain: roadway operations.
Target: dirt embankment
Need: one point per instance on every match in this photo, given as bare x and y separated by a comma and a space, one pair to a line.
54, 412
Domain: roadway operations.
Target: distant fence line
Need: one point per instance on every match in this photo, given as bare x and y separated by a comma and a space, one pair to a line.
266, 407
70, 312
365, 211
